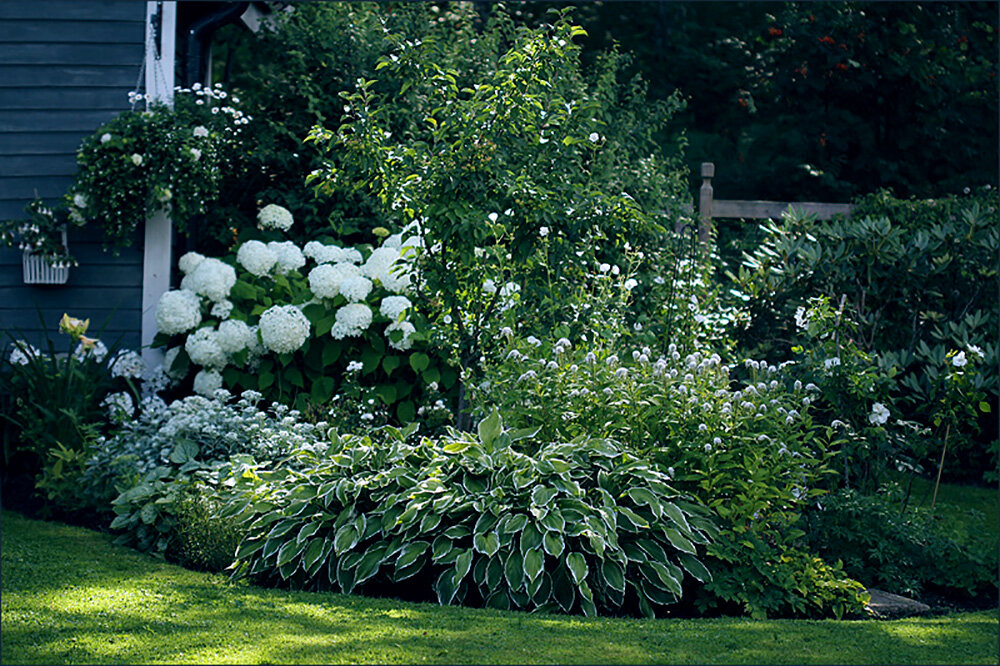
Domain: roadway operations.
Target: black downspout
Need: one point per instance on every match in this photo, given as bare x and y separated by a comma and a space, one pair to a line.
196, 62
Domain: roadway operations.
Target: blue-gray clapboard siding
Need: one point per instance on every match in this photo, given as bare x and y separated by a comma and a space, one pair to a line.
66, 67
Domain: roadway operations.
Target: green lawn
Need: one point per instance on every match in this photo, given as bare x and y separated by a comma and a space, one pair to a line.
71, 597
971, 514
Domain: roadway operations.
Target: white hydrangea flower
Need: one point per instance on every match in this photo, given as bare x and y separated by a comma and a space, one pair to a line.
329, 254
283, 328
256, 257
351, 255
354, 366
189, 262
177, 312
408, 330
127, 363
395, 241
203, 348
290, 257
233, 336
393, 306
273, 216
379, 261
222, 309
325, 279
94, 349
211, 278
207, 382
351, 321
120, 406
356, 288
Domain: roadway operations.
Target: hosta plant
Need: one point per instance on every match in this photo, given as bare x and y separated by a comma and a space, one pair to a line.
578, 526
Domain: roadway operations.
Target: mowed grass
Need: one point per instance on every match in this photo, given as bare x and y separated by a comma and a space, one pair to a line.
970, 514
72, 597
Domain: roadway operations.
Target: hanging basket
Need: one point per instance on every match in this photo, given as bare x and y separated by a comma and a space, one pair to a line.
39, 271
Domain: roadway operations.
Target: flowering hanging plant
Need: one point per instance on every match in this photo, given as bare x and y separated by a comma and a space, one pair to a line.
40, 233
171, 158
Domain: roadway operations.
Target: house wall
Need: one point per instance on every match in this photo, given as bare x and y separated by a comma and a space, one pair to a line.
66, 67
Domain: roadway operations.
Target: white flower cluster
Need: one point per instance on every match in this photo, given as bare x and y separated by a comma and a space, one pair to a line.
256, 257
94, 349
217, 426
210, 278
127, 363
283, 328
289, 256
331, 254
120, 406
22, 352
394, 306
273, 216
178, 311
351, 321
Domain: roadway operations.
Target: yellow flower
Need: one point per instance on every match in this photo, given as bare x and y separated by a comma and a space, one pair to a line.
73, 326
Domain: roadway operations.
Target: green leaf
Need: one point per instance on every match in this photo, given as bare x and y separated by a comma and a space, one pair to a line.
984, 407
313, 555
265, 380
405, 411
514, 570
247, 548
678, 541
515, 523
531, 538
445, 587
346, 538
533, 564
287, 553
390, 363
614, 575
419, 361
490, 428
694, 567
563, 590
577, 565
463, 563
553, 543
369, 564
541, 496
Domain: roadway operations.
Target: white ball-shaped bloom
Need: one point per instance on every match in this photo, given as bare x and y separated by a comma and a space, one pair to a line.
94, 349
290, 257
379, 261
351, 255
273, 216
356, 288
203, 348
395, 241
177, 312
283, 328
393, 306
207, 382
325, 279
405, 342
351, 321
324, 254
233, 336
127, 363
256, 257
189, 262
212, 278
222, 309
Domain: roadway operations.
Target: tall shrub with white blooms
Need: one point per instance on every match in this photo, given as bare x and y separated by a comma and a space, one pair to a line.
288, 321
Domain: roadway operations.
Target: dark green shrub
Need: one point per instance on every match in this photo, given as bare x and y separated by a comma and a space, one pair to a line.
578, 526
205, 540
905, 554
914, 290
754, 575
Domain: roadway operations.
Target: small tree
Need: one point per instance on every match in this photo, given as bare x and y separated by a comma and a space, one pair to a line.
518, 182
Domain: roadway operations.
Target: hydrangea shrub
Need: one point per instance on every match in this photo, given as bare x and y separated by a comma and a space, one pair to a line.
288, 321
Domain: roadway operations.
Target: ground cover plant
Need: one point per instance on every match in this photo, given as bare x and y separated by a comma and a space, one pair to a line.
71, 596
